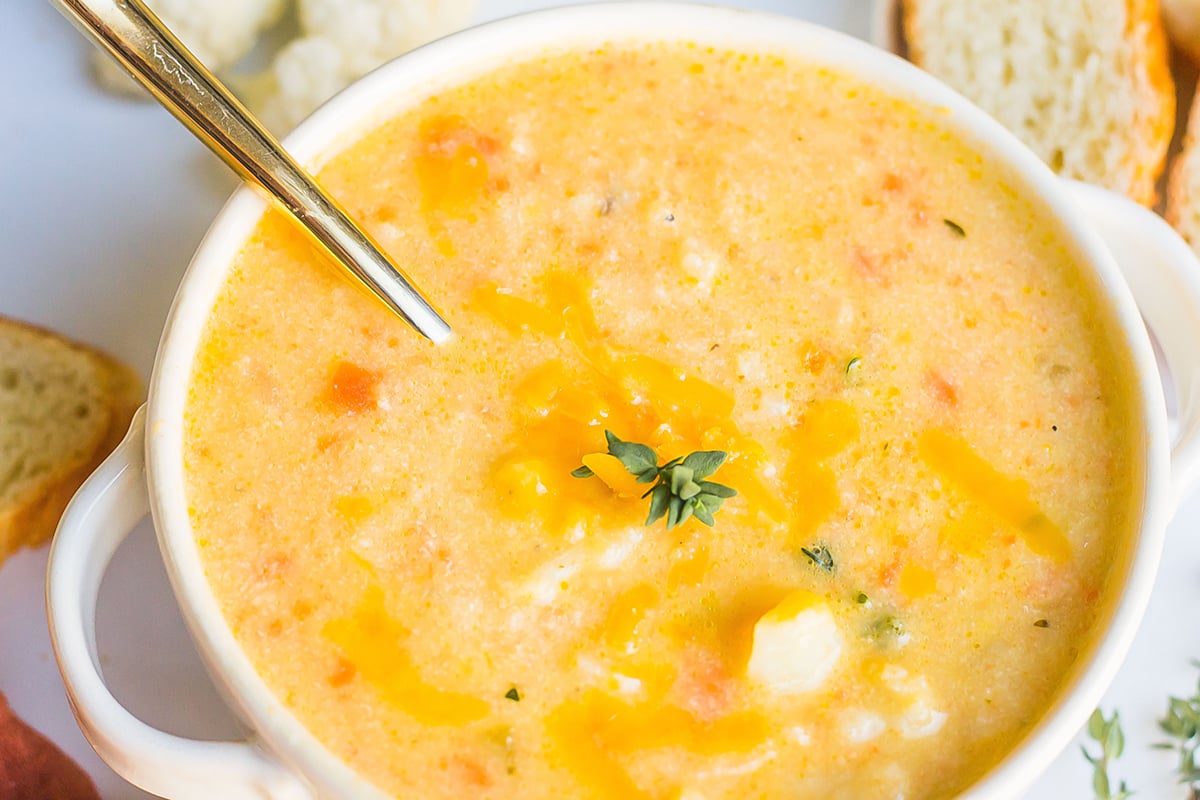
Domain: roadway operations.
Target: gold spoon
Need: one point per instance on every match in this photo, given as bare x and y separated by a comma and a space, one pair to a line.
139, 41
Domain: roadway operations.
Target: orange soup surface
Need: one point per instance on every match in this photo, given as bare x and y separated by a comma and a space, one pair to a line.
926, 414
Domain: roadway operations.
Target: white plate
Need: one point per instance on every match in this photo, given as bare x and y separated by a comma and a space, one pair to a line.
103, 201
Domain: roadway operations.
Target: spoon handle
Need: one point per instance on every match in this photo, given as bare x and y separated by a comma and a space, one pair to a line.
150, 53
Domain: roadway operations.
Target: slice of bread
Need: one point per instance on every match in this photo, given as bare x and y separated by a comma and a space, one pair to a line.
1183, 186
63, 407
1085, 84
1182, 20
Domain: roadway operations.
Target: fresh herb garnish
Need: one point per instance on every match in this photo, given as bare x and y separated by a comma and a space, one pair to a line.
513, 694
887, 631
680, 490
819, 555
854, 370
862, 599
954, 226
1042, 623
1182, 724
1112, 743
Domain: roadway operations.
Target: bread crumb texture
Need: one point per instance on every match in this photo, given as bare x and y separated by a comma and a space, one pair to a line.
62, 409
1084, 83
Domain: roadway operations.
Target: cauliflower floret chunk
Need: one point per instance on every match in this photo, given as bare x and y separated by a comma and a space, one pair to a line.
347, 39
796, 645
338, 42
219, 32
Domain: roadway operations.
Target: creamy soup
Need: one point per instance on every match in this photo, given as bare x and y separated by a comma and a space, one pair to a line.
925, 413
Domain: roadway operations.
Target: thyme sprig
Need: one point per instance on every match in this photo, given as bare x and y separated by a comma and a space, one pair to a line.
820, 556
1182, 724
1107, 732
680, 490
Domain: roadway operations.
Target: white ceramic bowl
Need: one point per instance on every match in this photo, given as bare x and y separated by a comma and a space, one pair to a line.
280, 759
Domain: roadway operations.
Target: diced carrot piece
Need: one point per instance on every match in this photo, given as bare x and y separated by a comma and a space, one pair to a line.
472, 772
342, 674
945, 392
353, 389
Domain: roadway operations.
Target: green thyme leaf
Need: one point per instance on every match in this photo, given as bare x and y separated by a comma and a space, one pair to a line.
513, 694
704, 512
674, 510
887, 630
679, 490
704, 463
954, 226
681, 476
821, 557
717, 490
1108, 734
854, 368
637, 458
1095, 726
1181, 724
660, 497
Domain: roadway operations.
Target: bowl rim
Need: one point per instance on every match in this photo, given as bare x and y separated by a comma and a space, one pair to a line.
430, 69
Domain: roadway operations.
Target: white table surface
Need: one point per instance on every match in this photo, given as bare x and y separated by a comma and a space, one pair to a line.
102, 201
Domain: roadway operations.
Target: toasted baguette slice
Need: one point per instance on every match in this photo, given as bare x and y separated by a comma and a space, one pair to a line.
63, 407
1183, 186
1084, 83
1182, 21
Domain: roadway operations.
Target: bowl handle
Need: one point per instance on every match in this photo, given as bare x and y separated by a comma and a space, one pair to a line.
1164, 277
103, 512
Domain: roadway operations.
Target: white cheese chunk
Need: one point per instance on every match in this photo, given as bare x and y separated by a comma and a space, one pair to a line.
860, 725
920, 720
796, 645
921, 717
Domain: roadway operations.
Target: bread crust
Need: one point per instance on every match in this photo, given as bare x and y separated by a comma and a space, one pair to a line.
30, 519
1154, 119
1153, 123
1179, 198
